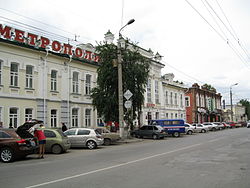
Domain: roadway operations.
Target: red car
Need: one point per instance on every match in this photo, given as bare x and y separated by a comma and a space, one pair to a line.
232, 124
18, 143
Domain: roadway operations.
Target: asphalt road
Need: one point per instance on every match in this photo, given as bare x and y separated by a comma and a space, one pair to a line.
212, 160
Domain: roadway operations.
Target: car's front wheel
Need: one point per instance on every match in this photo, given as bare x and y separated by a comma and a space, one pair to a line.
91, 144
107, 141
155, 136
7, 155
203, 130
190, 132
56, 149
176, 134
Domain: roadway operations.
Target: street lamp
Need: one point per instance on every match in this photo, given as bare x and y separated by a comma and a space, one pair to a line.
231, 100
120, 90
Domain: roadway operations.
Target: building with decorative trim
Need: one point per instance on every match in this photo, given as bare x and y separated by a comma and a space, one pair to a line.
203, 105
45, 79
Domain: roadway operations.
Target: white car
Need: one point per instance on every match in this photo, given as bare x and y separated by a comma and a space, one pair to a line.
189, 129
220, 125
211, 126
200, 128
84, 137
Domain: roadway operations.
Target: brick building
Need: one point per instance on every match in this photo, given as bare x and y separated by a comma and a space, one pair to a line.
203, 104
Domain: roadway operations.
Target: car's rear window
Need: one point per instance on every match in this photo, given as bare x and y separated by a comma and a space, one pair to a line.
4, 135
83, 132
61, 133
49, 134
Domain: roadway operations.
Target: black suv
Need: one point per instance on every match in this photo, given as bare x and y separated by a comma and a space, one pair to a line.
18, 143
149, 131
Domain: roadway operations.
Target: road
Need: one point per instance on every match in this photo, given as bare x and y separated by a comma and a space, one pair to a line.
211, 160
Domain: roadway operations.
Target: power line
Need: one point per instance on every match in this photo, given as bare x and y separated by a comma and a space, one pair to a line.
231, 45
37, 21
206, 20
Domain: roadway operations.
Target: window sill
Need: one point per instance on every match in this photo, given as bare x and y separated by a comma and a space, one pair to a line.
54, 91
15, 87
32, 89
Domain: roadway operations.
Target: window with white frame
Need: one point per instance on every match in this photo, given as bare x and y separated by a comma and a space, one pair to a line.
53, 80
28, 114
172, 115
181, 100
14, 74
166, 97
149, 91
29, 76
197, 99
75, 82
157, 101
13, 117
187, 101
88, 84
157, 115
53, 118
87, 117
167, 115
202, 101
171, 98
1, 64
176, 116
75, 117
175, 99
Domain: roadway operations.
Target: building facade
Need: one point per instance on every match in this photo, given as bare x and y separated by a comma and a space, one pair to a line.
238, 113
46, 80
202, 105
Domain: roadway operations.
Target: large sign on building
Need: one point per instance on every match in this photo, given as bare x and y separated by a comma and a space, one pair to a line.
13, 34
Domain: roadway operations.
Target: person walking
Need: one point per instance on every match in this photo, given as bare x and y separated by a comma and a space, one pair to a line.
39, 134
64, 127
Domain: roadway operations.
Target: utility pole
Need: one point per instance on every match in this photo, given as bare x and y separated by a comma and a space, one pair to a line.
120, 85
231, 100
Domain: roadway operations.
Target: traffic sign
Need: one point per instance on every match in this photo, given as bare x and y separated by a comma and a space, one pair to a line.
128, 94
128, 104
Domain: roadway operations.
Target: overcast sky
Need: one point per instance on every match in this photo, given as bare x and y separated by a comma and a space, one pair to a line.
192, 49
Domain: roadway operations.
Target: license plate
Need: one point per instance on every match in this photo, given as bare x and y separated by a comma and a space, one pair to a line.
32, 143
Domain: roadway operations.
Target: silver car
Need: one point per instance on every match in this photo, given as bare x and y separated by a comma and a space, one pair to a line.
201, 128
84, 137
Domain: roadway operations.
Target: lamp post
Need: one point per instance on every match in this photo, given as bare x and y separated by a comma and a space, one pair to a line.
120, 85
231, 100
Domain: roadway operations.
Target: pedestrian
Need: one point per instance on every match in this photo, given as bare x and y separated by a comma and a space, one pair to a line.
39, 134
64, 127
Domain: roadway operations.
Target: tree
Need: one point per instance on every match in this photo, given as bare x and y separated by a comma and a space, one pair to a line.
135, 70
246, 103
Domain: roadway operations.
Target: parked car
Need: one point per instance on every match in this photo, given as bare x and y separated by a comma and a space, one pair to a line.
232, 124
109, 137
189, 129
243, 123
220, 125
84, 137
211, 126
226, 125
200, 128
56, 141
15, 144
248, 124
149, 131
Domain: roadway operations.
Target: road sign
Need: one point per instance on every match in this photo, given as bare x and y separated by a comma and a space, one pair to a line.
128, 94
128, 104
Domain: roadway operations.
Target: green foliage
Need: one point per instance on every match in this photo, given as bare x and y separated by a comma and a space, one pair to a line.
135, 70
246, 103
209, 87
